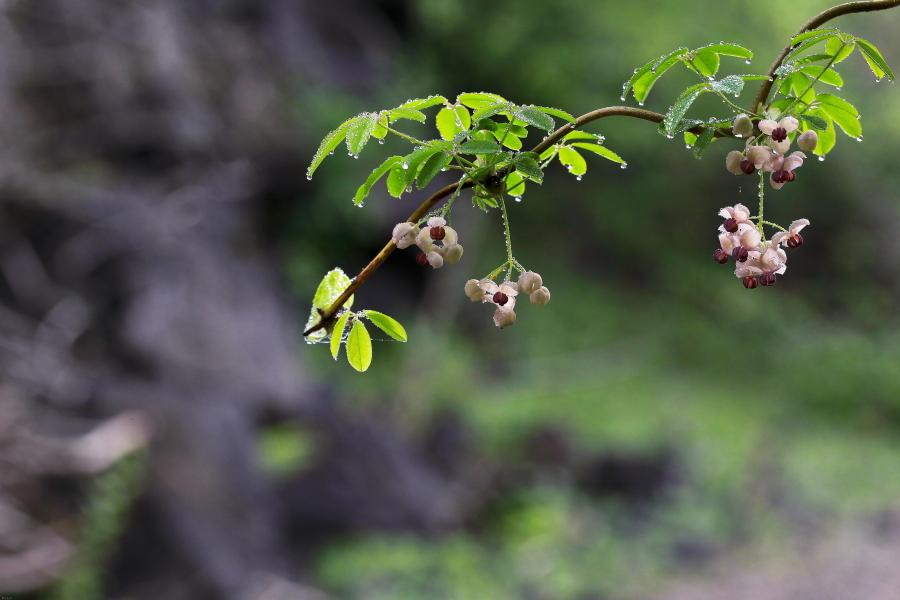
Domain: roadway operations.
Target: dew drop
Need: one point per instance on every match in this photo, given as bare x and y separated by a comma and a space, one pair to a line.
837, 88
670, 135
443, 168
688, 146
308, 177
710, 78
636, 70
518, 198
878, 80
578, 178
408, 188
748, 61
381, 141
405, 165
622, 98
330, 153
821, 157
640, 103
356, 156
349, 154
624, 166
859, 138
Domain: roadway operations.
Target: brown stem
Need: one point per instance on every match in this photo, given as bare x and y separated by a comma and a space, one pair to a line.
329, 314
820, 19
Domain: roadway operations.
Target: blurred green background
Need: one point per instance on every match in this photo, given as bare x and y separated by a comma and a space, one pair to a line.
774, 413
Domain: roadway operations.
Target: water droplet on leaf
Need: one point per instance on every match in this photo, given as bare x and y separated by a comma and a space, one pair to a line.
821, 157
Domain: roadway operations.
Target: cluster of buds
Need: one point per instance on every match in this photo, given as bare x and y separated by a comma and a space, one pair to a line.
437, 241
757, 261
772, 158
503, 296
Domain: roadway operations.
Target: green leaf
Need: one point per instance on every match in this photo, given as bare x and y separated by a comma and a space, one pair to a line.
752, 77
681, 127
515, 184
675, 114
839, 48
707, 62
729, 85
492, 109
529, 167
556, 113
486, 125
480, 147
689, 138
644, 78
583, 135
875, 60
330, 288
827, 137
421, 103
477, 100
825, 75
811, 38
511, 141
431, 168
703, 141
407, 113
814, 33
570, 157
516, 130
799, 83
358, 133
337, 334
812, 58
841, 112
549, 152
381, 126
451, 121
814, 121
387, 324
359, 347
535, 117
397, 181
602, 151
328, 145
728, 50
377, 174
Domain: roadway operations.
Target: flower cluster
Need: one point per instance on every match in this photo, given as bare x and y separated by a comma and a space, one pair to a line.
772, 158
757, 261
503, 296
437, 241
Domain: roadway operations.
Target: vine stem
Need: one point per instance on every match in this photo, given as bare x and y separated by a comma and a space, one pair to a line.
328, 315
823, 17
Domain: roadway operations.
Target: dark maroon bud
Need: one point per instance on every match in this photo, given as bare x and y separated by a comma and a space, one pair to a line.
794, 240
730, 225
779, 135
500, 298
767, 279
740, 254
437, 233
720, 256
422, 259
750, 282
747, 167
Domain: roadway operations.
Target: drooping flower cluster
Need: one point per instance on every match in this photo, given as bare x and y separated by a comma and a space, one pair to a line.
772, 158
503, 296
437, 241
757, 261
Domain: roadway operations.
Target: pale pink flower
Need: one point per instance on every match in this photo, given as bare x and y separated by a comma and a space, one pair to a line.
793, 239
503, 295
404, 234
436, 231
765, 264
782, 168
504, 317
734, 216
779, 132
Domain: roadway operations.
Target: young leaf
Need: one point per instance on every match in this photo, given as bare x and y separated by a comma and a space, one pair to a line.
431, 168
576, 163
492, 109
480, 147
328, 145
707, 62
602, 151
729, 50
643, 80
728, 85
682, 126
875, 60
814, 33
509, 140
515, 184
377, 174
703, 141
535, 117
556, 113
682, 105
387, 324
529, 167
812, 58
358, 133
397, 181
583, 135
689, 138
839, 48
813, 37
841, 112
381, 126
814, 122
330, 288
359, 347
451, 121
825, 75
407, 113
421, 103
827, 137
338, 334
549, 153
478, 100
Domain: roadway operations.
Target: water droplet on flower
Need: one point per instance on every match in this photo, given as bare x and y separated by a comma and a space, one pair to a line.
821, 157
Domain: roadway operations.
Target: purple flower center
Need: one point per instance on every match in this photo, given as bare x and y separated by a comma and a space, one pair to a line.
779, 134
500, 298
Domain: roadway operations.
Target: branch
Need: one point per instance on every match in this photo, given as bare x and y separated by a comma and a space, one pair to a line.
820, 19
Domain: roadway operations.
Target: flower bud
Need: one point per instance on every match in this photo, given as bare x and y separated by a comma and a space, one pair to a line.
747, 167
750, 282
474, 292
540, 296
720, 256
740, 254
435, 259
808, 140
404, 234
733, 162
794, 240
742, 125
730, 225
529, 281
452, 254
504, 317
767, 279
